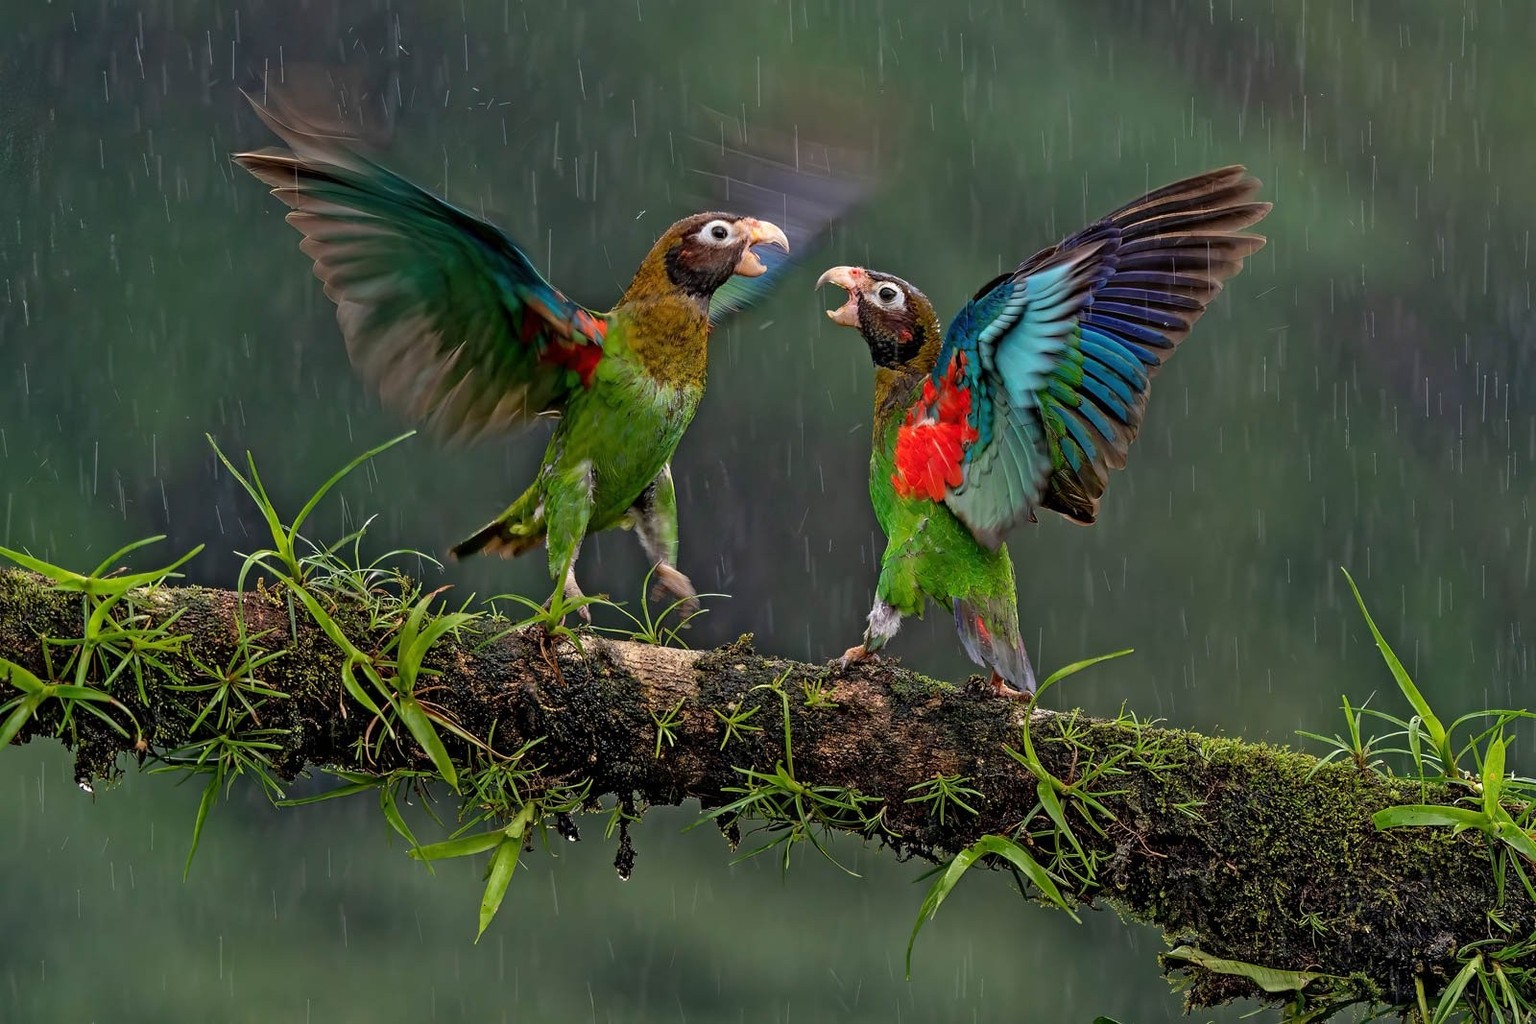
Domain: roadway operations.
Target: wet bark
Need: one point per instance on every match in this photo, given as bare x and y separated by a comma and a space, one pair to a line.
1249, 852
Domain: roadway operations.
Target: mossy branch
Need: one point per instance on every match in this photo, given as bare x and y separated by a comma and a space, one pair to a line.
1245, 854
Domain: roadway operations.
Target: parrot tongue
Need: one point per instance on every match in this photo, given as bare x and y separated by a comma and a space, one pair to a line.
850, 280
750, 264
847, 314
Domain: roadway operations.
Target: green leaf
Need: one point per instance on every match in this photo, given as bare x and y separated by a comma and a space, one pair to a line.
330, 794
1493, 776
1431, 814
355, 689
1045, 789
1270, 979
503, 864
258, 496
1450, 999
210, 794
18, 718
420, 726
1078, 666
64, 577
20, 677
962, 862
464, 846
67, 691
335, 478
1511, 834
1437, 732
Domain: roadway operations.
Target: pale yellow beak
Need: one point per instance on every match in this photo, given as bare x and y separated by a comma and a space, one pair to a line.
851, 280
758, 232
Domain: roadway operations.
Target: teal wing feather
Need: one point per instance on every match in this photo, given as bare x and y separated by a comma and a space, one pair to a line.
441, 311
1052, 363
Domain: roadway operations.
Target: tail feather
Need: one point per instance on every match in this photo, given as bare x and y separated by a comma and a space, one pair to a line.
997, 646
496, 538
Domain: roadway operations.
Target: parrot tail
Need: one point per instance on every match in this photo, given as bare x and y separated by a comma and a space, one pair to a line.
997, 646
498, 537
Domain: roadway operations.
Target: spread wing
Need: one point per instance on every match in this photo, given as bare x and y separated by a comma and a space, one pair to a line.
441, 311
1043, 379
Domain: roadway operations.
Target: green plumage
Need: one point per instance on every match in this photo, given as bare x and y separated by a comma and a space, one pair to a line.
612, 441
1034, 395
930, 554
448, 318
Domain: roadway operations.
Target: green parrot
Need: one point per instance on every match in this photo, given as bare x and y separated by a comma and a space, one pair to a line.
1028, 401
448, 318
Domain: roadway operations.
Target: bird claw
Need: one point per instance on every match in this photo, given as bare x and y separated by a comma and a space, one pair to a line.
1000, 688
670, 581
855, 655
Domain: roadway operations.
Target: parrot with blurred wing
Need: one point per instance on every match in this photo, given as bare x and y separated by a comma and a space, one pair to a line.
449, 319
1031, 397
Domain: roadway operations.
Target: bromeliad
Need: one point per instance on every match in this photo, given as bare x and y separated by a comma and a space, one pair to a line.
1030, 398
448, 318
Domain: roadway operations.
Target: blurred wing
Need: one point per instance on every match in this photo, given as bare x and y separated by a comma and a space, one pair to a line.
440, 310
1045, 373
804, 188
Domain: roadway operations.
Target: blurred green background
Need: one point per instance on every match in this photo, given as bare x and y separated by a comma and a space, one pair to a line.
1362, 396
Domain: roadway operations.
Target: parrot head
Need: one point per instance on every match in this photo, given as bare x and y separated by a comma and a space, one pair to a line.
895, 318
702, 252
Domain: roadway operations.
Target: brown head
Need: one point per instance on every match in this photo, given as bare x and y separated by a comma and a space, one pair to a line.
896, 320
698, 254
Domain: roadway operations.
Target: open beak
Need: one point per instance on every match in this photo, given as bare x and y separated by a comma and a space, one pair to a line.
758, 232
851, 280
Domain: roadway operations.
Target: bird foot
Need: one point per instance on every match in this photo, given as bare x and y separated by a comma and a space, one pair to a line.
855, 655
670, 581
1001, 688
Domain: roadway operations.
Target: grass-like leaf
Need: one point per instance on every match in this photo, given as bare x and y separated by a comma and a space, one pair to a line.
464, 846
210, 796
1430, 814
1078, 666
962, 862
1437, 733
1269, 979
420, 726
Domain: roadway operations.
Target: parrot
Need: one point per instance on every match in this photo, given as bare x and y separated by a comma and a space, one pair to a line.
447, 317
1033, 394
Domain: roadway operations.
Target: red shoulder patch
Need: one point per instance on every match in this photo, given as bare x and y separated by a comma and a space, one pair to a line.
932, 442
579, 350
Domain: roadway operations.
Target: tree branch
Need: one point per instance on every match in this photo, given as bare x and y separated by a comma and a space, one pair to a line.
1247, 852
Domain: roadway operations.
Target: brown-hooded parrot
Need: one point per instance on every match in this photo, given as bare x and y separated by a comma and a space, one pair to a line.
447, 316
1031, 397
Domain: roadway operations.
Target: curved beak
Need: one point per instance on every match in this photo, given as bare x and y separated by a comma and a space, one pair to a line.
758, 232
851, 280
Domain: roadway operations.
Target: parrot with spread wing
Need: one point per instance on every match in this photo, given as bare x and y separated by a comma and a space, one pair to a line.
448, 318
1031, 397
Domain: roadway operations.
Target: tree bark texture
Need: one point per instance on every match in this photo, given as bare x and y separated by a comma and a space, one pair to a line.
1249, 852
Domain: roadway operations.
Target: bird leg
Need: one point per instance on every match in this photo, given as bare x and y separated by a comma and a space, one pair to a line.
670, 581
654, 517
855, 655
572, 590
884, 621
573, 593
1001, 688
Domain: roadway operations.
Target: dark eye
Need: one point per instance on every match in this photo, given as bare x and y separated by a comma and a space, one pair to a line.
716, 232
887, 294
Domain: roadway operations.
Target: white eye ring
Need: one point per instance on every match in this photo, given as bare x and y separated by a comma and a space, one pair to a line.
717, 232
889, 296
